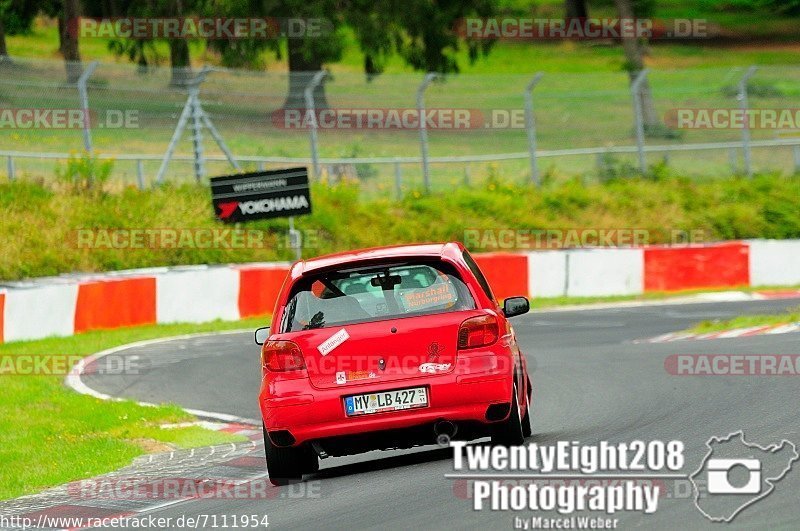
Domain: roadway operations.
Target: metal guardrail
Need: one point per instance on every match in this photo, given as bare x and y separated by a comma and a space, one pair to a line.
139, 159
665, 148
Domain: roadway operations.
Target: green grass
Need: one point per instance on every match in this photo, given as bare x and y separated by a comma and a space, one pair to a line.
582, 101
42, 42
545, 303
38, 223
792, 315
50, 435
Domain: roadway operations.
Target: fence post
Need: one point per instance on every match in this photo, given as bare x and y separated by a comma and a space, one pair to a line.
398, 180
295, 240
732, 160
140, 174
423, 129
197, 132
796, 152
530, 125
11, 171
308, 94
742, 97
191, 111
467, 174
638, 112
83, 94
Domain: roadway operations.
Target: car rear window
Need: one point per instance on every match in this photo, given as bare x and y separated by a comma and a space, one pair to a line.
374, 293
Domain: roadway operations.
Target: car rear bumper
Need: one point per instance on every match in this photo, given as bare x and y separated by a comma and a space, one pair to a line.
462, 399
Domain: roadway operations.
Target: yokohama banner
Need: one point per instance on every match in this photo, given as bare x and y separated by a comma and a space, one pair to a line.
261, 195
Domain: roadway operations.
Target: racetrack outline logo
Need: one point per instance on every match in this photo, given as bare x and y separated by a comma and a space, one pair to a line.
769, 480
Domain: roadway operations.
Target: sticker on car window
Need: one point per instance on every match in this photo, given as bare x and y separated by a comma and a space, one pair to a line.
437, 295
332, 342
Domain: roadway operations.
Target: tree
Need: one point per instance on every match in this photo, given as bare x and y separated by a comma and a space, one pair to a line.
16, 16
240, 53
421, 31
138, 51
3, 48
576, 9
70, 11
143, 51
67, 13
634, 56
781, 7
179, 59
306, 54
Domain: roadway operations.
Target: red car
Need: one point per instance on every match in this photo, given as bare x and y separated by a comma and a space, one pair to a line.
388, 348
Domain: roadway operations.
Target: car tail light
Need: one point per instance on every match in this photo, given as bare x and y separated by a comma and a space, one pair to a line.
478, 332
281, 356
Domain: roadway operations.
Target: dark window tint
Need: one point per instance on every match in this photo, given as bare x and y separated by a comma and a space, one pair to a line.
478, 275
374, 293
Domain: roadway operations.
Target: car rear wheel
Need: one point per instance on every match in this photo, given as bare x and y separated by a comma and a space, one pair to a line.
310, 461
527, 427
287, 465
509, 432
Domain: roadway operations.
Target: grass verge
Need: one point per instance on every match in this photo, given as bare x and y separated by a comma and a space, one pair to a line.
553, 302
51, 435
40, 225
792, 315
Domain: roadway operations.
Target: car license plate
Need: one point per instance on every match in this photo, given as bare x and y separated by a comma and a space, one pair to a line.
381, 401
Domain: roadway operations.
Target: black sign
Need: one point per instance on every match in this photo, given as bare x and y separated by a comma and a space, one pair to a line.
261, 195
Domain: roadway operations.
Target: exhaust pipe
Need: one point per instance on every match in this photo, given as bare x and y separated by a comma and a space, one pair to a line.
444, 430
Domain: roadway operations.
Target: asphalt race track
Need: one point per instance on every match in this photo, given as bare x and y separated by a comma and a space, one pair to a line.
592, 382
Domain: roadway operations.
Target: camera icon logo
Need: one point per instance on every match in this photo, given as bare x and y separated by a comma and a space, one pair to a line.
719, 476
736, 473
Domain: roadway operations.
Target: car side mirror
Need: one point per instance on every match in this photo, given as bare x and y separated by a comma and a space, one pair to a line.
261, 336
513, 306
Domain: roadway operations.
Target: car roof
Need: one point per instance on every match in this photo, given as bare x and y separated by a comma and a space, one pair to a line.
450, 249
